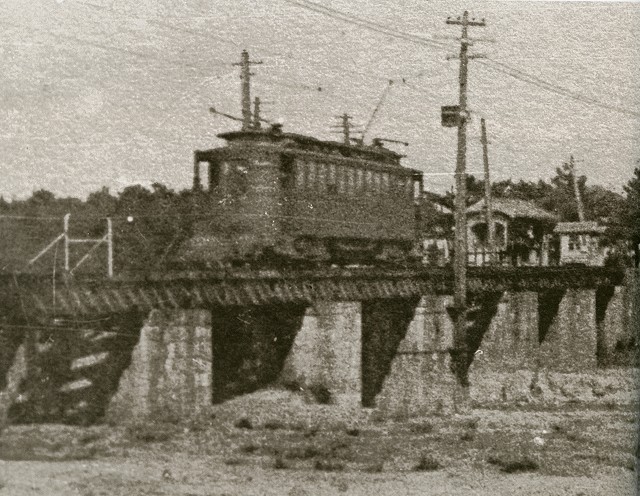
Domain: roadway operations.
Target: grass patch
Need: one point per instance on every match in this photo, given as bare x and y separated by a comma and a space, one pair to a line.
421, 428
467, 436
151, 432
354, 432
321, 394
512, 465
375, 468
471, 424
273, 425
243, 423
328, 465
233, 461
302, 452
249, 448
279, 463
427, 464
89, 437
311, 432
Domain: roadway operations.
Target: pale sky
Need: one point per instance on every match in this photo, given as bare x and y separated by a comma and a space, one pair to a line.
112, 92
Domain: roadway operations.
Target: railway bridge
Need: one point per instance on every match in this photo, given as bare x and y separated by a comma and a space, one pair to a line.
171, 343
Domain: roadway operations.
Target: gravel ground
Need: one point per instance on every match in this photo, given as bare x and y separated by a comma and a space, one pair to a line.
275, 443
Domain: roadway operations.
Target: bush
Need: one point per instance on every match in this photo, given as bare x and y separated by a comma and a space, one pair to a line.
151, 433
511, 465
249, 448
243, 423
467, 436
328, 466
273, 425
423, 428
355, 432
278, 463
427, 464
321, 394
302, 453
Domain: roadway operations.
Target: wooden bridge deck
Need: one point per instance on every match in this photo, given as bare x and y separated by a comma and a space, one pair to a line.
76, 296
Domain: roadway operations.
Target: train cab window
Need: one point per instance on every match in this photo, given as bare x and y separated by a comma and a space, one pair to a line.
286, 172
332, 186
299, 175
384, 181
236, 176
351, 181
321, 174
341, 179
408, 187
359, 180
311, 175
376, 182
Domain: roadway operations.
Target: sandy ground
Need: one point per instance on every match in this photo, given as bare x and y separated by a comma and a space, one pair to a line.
276, 443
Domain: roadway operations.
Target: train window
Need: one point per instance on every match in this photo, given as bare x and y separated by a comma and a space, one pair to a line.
331, 179
351, 177
384, 182
376, 181
286, 172
237, 176
341, 180
321, 177
368, 181
311, 174
299, 174
359, 179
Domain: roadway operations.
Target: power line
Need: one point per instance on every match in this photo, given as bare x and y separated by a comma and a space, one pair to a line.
511, 71
551, 87
380, 28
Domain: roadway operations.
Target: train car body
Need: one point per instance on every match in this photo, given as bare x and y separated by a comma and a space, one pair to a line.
289, 196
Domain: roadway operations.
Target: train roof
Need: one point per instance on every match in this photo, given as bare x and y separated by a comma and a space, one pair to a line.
275, 135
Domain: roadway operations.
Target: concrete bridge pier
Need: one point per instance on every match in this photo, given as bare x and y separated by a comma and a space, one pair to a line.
567, 332
327, 352
170, 372
417, 378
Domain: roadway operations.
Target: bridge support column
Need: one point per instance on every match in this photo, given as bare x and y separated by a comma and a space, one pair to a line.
505, 359
569, 344
326, 353
170, 372
419, 379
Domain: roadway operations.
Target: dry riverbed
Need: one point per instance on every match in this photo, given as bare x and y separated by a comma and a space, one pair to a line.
275, 443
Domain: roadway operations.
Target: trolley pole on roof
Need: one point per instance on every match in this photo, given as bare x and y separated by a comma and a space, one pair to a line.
491, 230
461, 359
245, 76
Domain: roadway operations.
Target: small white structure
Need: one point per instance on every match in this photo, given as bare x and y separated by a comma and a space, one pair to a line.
580, 243
521, 229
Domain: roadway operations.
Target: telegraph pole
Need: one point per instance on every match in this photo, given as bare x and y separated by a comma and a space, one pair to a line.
245, 75
576, 188
491, 231
345, 128
256, 113
460, 355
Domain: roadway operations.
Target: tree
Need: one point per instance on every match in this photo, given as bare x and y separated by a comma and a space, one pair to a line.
631, 217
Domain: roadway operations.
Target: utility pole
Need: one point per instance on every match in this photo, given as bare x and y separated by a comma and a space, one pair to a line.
576, 188
345, 128
491, 228
460, 355
256, 113
245, 75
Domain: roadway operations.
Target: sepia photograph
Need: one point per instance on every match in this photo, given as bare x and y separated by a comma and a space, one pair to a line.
315, 248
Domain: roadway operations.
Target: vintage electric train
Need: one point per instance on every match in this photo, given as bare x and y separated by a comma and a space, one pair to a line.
274, 196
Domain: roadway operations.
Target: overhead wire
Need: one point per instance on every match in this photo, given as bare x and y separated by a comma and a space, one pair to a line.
505, 68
